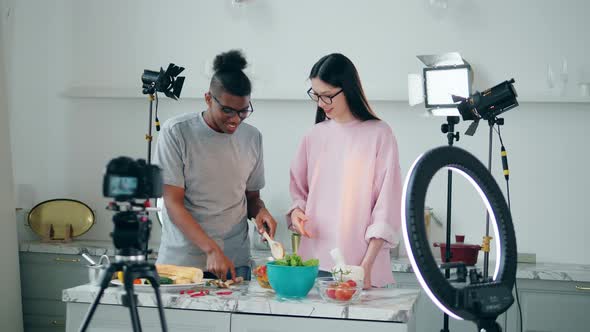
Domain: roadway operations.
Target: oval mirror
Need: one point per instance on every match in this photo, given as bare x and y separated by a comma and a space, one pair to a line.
58, 214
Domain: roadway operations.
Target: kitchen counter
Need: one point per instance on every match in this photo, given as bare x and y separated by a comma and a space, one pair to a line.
538, 271
386, 305
76, 247
533, 271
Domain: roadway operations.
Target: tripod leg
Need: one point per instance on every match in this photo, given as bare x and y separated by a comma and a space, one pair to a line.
90, 312
132, 304
104, 283
160, 308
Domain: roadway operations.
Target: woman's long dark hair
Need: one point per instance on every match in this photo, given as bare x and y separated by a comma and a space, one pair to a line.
337, 70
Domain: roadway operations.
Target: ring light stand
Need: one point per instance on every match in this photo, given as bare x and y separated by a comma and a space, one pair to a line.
480, 300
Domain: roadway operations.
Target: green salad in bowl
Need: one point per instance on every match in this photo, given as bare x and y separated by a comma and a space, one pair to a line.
291, 277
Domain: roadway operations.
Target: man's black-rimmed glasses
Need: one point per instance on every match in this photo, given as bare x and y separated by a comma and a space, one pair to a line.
231, 112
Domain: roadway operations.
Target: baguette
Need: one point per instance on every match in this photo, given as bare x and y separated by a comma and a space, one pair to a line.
180, 274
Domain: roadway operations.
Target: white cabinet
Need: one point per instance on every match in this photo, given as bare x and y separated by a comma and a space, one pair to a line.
116, 318
260, 323
113, 318
547, 306
551, 306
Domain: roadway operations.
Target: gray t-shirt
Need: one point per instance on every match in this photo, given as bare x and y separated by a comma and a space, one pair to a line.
215, 170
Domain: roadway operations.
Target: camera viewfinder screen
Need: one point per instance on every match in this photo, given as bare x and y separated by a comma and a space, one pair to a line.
122, 185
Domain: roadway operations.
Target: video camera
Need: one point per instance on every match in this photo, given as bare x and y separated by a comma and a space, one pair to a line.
127, 180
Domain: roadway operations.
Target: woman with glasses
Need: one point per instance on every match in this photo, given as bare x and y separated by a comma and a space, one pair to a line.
345, 177
213, 171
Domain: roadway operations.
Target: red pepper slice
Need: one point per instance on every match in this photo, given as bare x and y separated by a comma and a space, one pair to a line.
198, 294
190, 291
224, 293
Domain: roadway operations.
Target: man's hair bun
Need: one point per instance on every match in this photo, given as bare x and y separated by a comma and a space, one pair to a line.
232, 60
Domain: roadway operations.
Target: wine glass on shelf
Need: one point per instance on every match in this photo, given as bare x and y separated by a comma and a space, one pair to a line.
564, 76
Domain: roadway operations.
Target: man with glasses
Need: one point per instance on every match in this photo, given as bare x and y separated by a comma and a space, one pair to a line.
213, 172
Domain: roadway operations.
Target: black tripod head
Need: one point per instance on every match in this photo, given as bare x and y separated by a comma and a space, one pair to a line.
132, 228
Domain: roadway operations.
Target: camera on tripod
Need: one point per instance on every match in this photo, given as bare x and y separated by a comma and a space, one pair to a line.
127, 181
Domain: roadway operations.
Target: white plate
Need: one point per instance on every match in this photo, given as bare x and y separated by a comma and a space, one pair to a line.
163, 288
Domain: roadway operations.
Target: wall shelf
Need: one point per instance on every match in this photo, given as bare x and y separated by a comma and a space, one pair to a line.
87, 92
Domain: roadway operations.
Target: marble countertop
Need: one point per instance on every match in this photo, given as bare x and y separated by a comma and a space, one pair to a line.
534, 271
538, 271
385, 305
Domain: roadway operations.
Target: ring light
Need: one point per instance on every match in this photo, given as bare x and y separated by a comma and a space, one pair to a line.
481, 301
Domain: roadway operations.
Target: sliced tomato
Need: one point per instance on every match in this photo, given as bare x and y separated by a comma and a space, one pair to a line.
351, 283
260, 271
344, 294
331, 292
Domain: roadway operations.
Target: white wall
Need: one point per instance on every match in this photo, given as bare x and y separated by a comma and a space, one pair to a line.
83, 50
10, 306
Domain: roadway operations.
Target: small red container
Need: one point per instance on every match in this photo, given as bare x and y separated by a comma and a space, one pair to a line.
460, 252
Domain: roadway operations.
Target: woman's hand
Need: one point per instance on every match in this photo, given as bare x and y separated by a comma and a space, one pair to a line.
367, 282
264, 221
299, 219
218, 263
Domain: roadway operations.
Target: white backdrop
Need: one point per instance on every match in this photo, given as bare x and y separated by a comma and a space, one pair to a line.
76, 102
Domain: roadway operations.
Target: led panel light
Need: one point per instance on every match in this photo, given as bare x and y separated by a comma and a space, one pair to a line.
441, 83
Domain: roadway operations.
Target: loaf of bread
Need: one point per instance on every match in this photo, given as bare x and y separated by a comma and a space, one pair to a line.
180, 274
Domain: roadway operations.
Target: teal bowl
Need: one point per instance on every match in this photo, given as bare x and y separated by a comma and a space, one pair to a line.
291, 281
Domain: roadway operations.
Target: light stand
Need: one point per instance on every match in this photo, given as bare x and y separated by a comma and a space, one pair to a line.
487, 238
148, 136
151, 92
449, 129
169, 83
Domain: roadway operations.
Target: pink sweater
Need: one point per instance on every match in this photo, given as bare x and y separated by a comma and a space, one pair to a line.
346, 178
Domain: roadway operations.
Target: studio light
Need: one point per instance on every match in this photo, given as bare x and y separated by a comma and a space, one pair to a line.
443, 76
167, 82
442, 83
480, 300
487, 105
163, 81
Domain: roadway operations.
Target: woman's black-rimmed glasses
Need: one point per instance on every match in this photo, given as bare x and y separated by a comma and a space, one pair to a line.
231, 112
326, 99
